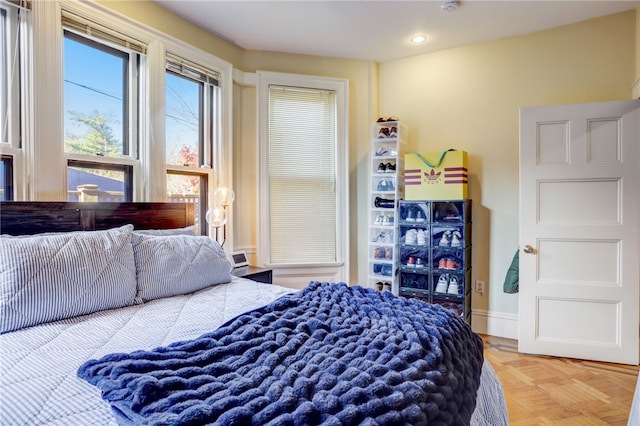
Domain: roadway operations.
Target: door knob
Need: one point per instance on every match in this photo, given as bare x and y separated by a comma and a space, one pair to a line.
528, 249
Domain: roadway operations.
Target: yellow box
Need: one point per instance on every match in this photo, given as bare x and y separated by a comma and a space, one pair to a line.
436, 175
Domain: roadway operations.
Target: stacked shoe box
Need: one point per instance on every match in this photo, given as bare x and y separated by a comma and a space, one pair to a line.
388, 147
435, 253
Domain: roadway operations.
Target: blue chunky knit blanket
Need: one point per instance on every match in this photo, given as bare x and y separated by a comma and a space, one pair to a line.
329, 354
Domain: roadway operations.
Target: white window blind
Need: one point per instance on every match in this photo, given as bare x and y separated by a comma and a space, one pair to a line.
302, 175
191, 70
93, 29
23, 4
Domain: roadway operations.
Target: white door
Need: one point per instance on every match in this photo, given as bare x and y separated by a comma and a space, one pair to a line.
580, 231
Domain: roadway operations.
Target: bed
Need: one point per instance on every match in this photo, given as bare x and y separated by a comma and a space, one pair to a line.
155, 330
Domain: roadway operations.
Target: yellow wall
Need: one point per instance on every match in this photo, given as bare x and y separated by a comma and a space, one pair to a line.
468, 98
154, 16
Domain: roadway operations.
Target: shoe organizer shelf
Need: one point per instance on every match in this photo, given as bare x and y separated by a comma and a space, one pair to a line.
435, 253
388, 146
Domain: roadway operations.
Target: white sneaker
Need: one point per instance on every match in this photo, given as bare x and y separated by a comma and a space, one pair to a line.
421, 239
411, 237
453, 286
446, 239
455, 239
441, 287
420, 216
379, 219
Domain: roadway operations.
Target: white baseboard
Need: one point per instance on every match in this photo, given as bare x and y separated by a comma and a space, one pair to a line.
498, 324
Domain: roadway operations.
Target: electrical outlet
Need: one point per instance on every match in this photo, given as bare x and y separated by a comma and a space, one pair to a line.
479, 286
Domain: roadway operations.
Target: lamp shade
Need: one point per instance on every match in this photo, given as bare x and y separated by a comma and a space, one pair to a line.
224, 196
216, 216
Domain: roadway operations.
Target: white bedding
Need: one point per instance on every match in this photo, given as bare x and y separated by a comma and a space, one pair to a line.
38, 382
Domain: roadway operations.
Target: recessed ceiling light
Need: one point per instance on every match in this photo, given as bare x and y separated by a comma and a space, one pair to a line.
417, 39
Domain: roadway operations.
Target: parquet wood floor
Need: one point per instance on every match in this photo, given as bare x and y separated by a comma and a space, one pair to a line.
543, 390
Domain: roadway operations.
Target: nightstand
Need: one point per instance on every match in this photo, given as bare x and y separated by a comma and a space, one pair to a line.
262, 275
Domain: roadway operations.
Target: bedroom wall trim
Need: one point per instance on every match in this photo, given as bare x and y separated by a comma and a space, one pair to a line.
246, 79
498, 324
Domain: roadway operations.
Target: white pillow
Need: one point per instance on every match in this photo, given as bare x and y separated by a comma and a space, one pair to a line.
177, 264
50, 277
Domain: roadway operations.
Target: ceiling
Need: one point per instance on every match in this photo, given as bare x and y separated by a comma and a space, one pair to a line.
380, 30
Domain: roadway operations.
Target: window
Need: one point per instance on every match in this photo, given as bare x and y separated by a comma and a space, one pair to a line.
95, 98
192, 125
93, 116
101, 70
302, 174
304, 151
14, 25
5, 73
6, 178
99, 182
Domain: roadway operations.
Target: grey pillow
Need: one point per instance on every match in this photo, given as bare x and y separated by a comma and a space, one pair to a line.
189, 230
177, 264
50, 277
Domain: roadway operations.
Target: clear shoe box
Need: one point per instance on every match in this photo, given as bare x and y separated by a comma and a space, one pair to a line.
386, 184
450, 259
415, 284
385, 168
458, 306
381, 268
451, 211
449, 235
381, 252
381, 234
415, 213
380, 284
414, 280
383, 217
383, 202
415, 293
385, 149
411, 235
450, 284
414, 259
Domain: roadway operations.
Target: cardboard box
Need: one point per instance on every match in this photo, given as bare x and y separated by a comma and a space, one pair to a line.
436, 175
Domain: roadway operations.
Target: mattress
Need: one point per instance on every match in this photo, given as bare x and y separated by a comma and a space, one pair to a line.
38, 382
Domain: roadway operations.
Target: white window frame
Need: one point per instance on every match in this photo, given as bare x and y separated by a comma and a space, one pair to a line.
135, 98
49, 159
19, 87
339, 270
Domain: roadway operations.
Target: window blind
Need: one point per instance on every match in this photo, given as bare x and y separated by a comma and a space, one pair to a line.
90, 28
23, 4
302, 175
193, 71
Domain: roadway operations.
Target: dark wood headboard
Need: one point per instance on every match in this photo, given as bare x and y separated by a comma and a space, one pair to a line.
34, 217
